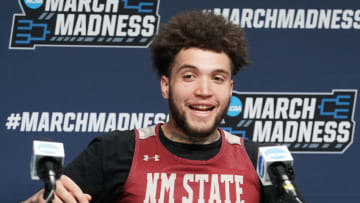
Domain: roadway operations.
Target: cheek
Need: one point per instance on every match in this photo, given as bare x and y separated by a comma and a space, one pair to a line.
181, 92
224, 95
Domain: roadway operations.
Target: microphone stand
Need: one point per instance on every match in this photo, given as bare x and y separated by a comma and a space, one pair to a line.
282, 176
50, 187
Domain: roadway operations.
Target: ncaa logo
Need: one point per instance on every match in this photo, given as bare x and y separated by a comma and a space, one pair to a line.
235, 107
33, 4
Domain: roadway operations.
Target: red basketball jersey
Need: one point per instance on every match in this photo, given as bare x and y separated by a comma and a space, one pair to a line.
156, 175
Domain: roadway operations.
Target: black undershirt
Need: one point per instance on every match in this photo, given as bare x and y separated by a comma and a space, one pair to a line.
190, 151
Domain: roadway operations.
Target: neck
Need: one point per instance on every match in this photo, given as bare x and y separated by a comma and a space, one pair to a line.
175, 134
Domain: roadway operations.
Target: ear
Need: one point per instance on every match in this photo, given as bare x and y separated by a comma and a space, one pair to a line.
231, 86
164, 83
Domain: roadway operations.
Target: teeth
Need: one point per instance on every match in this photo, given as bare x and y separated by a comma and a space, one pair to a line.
202, 107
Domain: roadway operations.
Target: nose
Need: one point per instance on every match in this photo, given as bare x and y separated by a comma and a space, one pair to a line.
203, 88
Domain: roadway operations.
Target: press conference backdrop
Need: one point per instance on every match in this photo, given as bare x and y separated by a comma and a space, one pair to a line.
72, 70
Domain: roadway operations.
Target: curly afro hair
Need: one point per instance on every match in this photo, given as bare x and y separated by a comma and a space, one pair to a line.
202, 30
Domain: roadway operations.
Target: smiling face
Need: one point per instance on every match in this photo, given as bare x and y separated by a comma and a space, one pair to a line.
199, 89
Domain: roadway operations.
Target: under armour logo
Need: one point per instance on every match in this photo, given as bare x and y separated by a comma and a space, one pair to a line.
147, 157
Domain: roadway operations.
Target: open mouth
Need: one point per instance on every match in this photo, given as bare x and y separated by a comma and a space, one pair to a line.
204, 108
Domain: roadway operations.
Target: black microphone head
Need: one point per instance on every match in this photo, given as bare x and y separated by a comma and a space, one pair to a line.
46, 164
278, 172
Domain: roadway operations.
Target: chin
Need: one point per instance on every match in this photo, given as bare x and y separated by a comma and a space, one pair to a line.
200, 130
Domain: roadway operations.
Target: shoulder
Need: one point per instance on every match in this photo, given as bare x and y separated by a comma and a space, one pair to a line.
112, 140
147, 132
103, 146
115, 138
115, 145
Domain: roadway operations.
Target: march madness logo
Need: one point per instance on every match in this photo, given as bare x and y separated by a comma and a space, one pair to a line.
305, 122
100, 23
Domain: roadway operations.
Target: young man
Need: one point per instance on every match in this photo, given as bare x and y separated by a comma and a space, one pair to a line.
187, 159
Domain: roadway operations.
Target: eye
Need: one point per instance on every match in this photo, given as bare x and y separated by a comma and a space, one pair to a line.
188, 76
219, 78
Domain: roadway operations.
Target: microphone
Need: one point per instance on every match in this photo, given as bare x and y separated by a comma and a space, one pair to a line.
46, 164
274, 167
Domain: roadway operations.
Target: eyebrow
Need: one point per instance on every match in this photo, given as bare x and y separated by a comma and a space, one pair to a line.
188, 66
